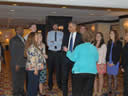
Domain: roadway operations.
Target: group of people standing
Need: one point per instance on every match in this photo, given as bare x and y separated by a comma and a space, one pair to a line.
87, 55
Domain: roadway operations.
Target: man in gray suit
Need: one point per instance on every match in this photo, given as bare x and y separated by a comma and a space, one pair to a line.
18, 62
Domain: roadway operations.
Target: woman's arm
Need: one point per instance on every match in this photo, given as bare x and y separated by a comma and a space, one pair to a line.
44, 51
123, 59
108, 51
117, 53
73, 55
104, 51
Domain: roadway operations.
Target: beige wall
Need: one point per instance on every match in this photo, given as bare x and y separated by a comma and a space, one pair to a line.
7, 34
104, 28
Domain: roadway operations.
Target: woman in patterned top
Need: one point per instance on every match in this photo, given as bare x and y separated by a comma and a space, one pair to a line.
43, 71
34, 63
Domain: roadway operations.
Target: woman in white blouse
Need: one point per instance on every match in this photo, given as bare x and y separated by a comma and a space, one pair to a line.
101, 64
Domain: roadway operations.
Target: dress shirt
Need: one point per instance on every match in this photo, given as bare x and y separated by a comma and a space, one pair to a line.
74, 38
102, 54
22, 39
54, 45
26, 36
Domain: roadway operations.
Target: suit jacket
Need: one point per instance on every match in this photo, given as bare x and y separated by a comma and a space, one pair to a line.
125, 57
65, 42
17, 52
2, 53
116, 51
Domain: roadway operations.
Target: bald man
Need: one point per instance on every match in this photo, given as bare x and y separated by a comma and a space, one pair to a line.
71, 40
18, 62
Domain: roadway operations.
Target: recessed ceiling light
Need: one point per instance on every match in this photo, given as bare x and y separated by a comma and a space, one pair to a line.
14, 4
53, 12
64, 7
108, 10
12, 10
92, 14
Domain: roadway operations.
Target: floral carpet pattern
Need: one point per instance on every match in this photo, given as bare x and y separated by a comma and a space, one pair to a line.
6, 84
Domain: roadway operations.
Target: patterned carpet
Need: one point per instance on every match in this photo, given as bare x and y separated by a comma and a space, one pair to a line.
6, 87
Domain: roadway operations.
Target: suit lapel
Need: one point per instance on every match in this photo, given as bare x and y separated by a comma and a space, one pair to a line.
20, 41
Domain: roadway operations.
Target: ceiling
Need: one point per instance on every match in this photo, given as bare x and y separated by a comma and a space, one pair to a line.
28, 14
90, 3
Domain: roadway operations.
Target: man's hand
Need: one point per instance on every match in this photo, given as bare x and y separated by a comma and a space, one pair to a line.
65, 48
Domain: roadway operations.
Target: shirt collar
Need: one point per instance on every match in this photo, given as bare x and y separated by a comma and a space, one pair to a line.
73, 33
19, 36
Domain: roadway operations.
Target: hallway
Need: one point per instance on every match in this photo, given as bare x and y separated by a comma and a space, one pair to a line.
5, 82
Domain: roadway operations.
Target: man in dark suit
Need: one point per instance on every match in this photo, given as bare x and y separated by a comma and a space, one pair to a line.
18, 62
70, 40
2, 59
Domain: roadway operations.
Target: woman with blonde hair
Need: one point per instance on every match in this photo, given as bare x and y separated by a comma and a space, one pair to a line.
34, 63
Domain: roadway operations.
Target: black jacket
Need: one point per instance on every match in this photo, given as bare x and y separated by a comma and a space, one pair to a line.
116, 51
66, 37
65, 42
125, 57
17, 52
2, 53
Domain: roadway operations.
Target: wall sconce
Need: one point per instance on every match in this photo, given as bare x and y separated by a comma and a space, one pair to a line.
61, 27
125, 25
7, 40
0, 33
93, 28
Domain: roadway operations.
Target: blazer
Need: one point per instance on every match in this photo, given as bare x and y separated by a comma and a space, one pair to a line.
2, 53
102, 54
116, 51
17, 52
66, 37
124, 62
35, 58
65, 42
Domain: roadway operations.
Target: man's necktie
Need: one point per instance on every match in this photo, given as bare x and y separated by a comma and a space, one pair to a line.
71, 43
55, 38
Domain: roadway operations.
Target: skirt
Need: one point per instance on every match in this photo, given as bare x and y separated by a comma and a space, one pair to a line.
113, 70
101, 70
43, 74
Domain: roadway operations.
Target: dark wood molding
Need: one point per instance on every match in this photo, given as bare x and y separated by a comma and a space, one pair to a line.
100, 21
123, 16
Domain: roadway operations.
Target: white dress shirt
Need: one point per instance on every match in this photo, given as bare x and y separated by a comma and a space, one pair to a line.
102, 54
74, 38
26, 36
